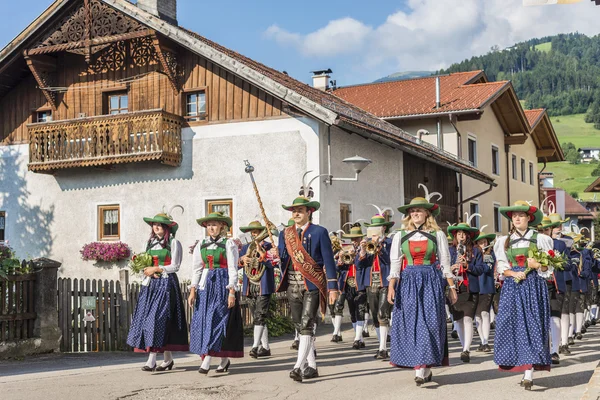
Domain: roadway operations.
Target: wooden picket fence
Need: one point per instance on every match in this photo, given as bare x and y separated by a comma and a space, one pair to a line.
114, 307
17, 313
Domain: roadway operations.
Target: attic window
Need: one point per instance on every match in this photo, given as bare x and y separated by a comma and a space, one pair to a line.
195, 106
43, 116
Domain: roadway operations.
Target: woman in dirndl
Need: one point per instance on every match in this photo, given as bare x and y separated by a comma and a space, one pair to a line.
467, 265
159, 324
487, 289
216, 329
522, 342
418, 331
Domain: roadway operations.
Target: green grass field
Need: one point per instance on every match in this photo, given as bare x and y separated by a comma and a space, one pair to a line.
545, 47
574, 129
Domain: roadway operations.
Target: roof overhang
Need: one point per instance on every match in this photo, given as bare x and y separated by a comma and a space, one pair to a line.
547, 146
474, 112
508, 110
594, 187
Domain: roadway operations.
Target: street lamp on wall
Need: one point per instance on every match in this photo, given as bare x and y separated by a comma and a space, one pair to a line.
357, 163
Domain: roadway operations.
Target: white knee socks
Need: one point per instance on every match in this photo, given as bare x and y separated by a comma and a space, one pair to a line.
555, 334
468, 331
378, 332
359, 330
206, 363
258, 331
337, 324
564, 329
579, 322
420, 373
458, 327
571, 325
223, 363
296, 334
383, 332
485, 326
528, 375
151, 363
304, 348
492, 315
594, 311
448, 314
366, 323
311, 358
479, 324
264, 340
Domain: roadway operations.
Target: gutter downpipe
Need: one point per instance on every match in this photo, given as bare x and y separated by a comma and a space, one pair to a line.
459, 211
329, 180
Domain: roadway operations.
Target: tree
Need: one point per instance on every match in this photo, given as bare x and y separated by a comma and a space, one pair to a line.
573, 156
596, 171
574, 195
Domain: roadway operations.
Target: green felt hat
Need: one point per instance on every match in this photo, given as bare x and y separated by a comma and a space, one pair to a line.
303, 201
489, 236
355, 232
465, 227
548, 223
252, 226
555, 217
420, 202
535, 214
164, 219
215, 216
379, 220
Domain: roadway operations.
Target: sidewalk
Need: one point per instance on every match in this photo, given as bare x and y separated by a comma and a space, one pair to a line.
344, 373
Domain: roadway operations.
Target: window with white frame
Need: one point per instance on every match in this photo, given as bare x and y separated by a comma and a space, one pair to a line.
474, 209
497, 218
472, 150
531, 173
495, 160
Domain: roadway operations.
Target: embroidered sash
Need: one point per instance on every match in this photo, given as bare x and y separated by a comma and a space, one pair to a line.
305, 264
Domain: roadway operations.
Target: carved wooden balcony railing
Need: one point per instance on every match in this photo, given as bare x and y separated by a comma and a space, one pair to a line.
105, 140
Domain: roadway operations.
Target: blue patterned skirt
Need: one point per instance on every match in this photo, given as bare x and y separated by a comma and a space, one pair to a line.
158, 322
216, 330
418, 329
523, 325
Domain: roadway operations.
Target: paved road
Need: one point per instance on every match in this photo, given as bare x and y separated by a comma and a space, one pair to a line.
345, 373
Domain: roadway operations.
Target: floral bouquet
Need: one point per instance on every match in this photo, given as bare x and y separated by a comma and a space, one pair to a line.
546, 259
141, 261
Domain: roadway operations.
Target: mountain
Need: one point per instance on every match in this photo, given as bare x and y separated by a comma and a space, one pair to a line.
400, 76
560, 73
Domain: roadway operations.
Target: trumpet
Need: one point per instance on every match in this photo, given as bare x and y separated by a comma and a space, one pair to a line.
347, 258
371, 247
336, 243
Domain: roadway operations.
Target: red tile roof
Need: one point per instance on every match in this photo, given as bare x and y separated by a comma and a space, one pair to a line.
534, 116
458, 92
574, 208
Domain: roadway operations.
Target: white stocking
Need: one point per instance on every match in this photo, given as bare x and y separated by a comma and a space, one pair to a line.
366, 324
383, 337
377, 331
264, 340
420, 373
448, 314
594, 311
224, 361
258, 330
304, 348
579, 322
571, 325
485, 326
311, 358
426, 372
459, 328
564, 329
492, 315
359, 331
468, 327
151, 363
296, 335
479, 324
206, 363
455, 326
555, 332
586, 315
337, 325
528, 375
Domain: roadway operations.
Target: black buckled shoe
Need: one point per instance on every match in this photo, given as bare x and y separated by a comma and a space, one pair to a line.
454, 335
571, 341
587, 324
527, 384
295, 345
366, 334
579, 336
380, 355
356, 345
254, 352
310, 373
296, 374
583, 329
487, 348
166, 367
146, 368
362, 345
465, 356
203, 371
480, 348
224, 369
334, 339
555, 359
593, 321
262, 352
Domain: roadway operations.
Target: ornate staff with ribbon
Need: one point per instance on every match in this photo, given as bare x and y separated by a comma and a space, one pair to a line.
268, 224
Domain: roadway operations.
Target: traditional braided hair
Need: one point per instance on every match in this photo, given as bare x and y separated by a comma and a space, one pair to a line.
513, 229
164, 243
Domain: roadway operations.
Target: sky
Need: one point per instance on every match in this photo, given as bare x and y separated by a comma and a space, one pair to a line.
361, 41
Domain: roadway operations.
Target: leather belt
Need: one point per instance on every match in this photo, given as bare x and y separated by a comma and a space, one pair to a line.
295, 278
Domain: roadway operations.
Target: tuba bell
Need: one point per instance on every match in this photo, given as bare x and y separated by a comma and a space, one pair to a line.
336, 243
254, 270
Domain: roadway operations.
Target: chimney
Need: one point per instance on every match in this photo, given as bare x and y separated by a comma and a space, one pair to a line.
163, 9
321, 78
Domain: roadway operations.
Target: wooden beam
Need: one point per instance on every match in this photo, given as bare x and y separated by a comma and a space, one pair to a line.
541, 153
515, 139
170, 71
42, 83
88, 43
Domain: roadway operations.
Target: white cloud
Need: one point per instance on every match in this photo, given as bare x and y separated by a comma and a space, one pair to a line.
340, 36
433, 33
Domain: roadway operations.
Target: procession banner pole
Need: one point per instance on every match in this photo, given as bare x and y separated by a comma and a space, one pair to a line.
269, 224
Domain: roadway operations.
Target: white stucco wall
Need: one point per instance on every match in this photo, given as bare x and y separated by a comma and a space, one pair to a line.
54, 216
381, 183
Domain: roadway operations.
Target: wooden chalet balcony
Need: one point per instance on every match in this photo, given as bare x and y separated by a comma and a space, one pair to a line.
105, 140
